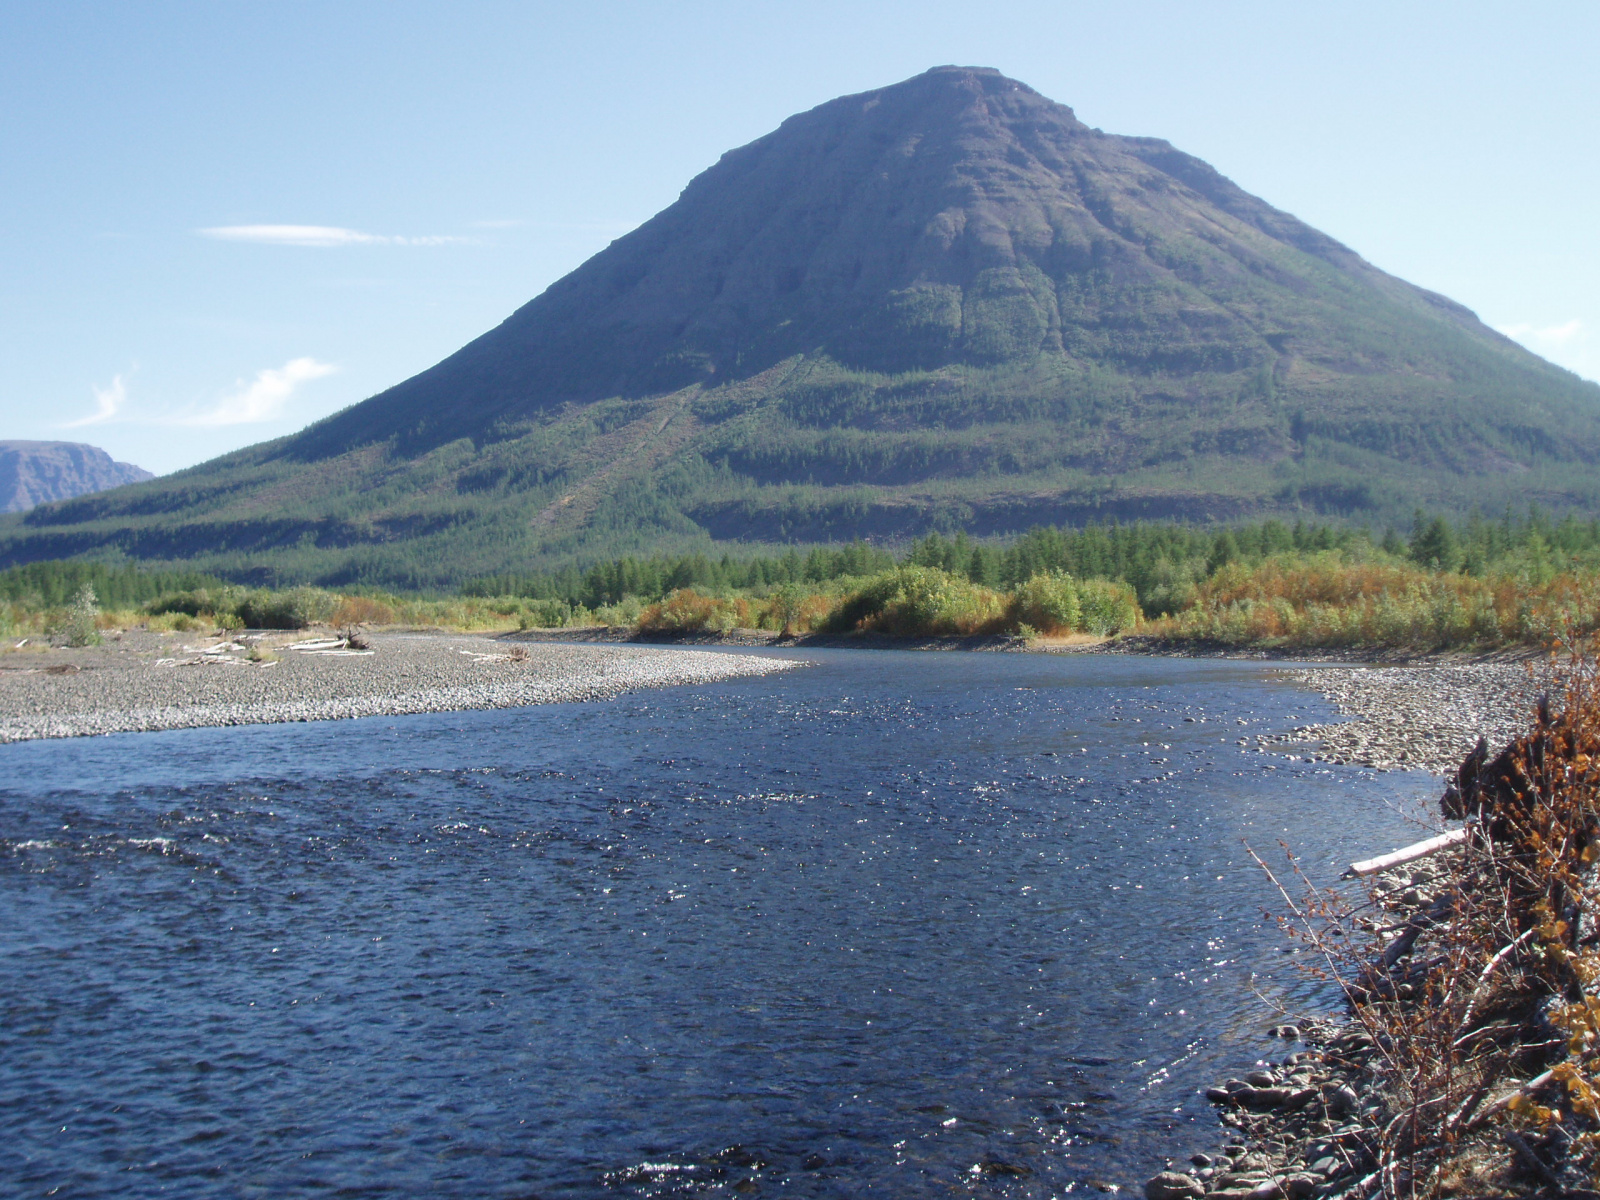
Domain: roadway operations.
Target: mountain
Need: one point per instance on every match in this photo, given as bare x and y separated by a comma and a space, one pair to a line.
33, 473
943, 304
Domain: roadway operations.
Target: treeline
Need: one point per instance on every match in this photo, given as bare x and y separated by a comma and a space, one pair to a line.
652, 578
1164, 563
1517, 579
56, 584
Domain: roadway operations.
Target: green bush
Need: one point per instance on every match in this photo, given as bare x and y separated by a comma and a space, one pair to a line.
1107, 607
544, 614
1047, 603
195, 601
79, 624
292, 609
919, 602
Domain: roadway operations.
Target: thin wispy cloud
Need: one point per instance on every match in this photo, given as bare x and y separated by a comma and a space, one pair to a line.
108, 402
1554, 335
320, 236
263, 398
1569, 344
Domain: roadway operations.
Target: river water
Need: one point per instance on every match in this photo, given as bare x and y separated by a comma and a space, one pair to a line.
890, 925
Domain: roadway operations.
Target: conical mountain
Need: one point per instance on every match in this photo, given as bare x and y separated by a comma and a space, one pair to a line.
946, 303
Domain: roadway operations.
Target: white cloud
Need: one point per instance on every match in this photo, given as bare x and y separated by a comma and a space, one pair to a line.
318, 235
1556, 335
1569, 344
108, 403
263, 398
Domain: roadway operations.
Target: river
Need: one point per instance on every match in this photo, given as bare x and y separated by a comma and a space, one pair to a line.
891, 925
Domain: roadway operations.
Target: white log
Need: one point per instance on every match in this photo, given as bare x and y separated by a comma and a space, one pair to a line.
1370, 866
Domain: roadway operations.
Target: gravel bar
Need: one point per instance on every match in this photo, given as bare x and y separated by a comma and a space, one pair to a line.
1418, 717
144, 681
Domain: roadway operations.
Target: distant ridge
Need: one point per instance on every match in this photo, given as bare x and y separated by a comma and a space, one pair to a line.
943, 304
34, 473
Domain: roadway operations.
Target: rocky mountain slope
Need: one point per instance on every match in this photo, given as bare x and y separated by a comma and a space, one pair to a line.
34, 473
943, 304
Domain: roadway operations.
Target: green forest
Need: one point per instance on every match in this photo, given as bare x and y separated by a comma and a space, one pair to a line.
1514, 580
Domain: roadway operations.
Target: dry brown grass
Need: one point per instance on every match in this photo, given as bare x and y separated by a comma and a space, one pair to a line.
361, 610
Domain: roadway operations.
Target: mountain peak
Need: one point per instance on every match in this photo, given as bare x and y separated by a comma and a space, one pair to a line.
946, 303
841, 231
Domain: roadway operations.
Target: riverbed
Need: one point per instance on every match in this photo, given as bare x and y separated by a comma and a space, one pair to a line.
887, 924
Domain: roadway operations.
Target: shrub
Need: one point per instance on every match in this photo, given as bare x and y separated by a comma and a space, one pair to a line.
684, 611
361, 610
1047, 604
919, 602
195, 601
786, 608
544, 614
1327, 600
626, 611
1107, 607
79, 624
292, 609
178, 622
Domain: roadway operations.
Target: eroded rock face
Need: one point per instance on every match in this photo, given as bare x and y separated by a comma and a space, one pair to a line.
34, 473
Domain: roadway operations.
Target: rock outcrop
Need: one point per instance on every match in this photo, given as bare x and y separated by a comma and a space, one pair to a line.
34, 473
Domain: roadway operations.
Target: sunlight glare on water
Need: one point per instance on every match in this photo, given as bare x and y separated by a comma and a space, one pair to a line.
895, 924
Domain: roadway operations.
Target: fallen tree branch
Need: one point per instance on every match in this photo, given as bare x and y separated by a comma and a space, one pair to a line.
1433, 845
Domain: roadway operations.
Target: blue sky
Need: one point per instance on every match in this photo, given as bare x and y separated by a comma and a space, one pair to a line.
455, 159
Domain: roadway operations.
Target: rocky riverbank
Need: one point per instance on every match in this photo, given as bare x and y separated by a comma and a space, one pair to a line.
1415, 718
1302, 1126
1312, 1124
1307, 1125
142, 681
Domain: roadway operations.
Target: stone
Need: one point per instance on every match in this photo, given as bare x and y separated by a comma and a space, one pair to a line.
1266, 1097
1241, 1179
1342, 1100
1173, 1185
1261, 1079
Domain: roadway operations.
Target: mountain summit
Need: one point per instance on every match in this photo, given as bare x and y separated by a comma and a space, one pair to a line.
945, 303
956, 219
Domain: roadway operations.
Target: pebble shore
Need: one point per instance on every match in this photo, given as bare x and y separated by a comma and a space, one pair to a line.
1417, 718
144, 681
